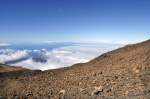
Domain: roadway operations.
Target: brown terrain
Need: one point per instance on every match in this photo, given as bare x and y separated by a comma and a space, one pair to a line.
120, 74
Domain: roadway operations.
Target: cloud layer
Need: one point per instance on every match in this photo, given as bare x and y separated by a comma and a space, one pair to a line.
45, 59
4, 44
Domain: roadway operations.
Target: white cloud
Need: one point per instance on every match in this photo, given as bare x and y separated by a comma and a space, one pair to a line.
11, 55
4, 44
59, 57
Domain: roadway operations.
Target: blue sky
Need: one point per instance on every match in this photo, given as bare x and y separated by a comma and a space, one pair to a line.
74, 20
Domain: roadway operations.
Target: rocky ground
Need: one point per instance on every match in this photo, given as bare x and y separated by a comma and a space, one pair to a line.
120, 74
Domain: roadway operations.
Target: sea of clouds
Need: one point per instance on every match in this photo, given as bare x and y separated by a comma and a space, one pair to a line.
58, 57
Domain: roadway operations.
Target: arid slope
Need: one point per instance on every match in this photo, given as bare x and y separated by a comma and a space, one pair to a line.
122, 73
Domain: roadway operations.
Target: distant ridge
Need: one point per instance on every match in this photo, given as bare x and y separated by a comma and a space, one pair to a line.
6, 68
120, 74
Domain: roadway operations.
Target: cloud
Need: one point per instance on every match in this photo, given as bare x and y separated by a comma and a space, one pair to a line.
9, 55
44, 59
4, 44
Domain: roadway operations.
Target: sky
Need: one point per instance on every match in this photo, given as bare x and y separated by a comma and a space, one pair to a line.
113, 21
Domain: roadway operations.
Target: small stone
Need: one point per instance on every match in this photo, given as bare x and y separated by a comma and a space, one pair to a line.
126, 93
97, 90
81, 89
137, 71
80, 83
62, 91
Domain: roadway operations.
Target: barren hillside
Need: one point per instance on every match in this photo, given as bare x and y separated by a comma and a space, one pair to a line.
122, 73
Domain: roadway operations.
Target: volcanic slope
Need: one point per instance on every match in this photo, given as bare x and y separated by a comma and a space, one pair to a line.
122, 73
